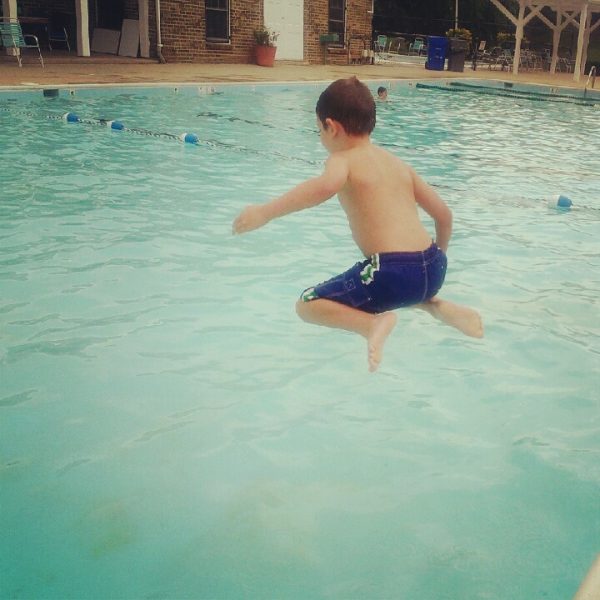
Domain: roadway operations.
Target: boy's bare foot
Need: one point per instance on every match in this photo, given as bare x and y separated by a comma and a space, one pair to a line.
463, 318
380, 329
467, 320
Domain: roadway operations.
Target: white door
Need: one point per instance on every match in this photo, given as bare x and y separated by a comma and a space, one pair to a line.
287, 18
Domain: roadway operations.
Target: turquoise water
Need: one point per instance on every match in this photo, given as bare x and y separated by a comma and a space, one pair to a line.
170, 429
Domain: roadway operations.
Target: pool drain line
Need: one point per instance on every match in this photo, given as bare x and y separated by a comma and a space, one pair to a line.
507, 92
233, 119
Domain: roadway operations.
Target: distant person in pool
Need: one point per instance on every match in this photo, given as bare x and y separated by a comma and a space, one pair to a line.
382, 93
380, 195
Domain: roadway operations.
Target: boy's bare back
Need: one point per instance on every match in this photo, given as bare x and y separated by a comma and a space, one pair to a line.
380, 197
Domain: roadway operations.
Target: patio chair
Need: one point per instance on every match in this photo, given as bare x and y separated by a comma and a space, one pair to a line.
504, 59
565, 64
490, 56
12, 36
417, 47
381, 44
397, 45
57, 30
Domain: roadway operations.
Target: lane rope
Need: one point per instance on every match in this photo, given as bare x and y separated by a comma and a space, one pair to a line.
186, 137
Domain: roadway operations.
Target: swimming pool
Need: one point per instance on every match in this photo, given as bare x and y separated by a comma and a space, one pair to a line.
171, 429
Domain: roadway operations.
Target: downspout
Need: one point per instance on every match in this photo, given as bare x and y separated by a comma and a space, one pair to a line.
161, 58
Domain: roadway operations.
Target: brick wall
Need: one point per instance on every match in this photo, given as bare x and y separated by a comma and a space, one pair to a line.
184, 40
183, 28
316, 19
184, 34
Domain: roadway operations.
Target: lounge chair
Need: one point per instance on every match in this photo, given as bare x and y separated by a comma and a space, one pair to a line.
381, 44
417, 47
12, 36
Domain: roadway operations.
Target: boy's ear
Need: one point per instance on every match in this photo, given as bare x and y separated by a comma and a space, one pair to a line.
333, 125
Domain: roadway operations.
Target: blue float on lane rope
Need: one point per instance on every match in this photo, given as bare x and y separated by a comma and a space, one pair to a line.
189, 138
563, 202
115, 125
71, 117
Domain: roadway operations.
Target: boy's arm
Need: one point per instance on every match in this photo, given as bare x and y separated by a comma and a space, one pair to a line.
304, 195
429, 200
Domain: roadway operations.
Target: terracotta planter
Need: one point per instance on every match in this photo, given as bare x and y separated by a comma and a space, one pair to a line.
265, 55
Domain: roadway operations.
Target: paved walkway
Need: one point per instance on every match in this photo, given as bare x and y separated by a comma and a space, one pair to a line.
104, 70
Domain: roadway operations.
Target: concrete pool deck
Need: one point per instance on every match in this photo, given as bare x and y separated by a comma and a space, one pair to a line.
111, 70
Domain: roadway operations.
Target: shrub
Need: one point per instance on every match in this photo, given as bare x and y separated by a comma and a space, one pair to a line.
462, 33
265, 36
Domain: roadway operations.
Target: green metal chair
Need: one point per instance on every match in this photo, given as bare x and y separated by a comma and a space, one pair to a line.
418, 47
11, 36
381, 44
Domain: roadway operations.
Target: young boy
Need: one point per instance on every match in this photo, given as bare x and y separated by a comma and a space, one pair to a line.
379, 194
382, 93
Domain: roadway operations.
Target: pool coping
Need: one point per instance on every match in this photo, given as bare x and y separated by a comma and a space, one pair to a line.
99, 73
495, 84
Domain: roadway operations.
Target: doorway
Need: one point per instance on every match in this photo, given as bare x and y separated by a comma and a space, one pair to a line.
287, 18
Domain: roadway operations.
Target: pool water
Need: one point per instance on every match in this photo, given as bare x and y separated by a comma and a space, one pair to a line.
170, 429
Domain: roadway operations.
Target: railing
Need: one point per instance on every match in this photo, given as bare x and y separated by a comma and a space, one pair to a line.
592, 77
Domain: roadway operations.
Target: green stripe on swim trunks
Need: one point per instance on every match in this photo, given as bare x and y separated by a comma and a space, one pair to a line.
309, 295
368, 273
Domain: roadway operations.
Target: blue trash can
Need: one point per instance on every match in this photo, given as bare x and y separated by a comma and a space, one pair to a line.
437, 47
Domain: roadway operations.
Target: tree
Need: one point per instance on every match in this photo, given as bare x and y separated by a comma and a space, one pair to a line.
435, 17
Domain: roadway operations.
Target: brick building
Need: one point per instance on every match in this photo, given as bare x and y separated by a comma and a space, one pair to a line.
215, 31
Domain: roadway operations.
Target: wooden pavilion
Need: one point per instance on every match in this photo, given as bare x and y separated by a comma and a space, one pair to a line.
579, 13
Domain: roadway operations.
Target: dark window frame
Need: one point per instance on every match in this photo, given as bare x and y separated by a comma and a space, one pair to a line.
218, 32
334, 23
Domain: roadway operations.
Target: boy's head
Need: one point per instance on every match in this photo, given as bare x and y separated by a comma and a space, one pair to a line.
350, 103
382, 93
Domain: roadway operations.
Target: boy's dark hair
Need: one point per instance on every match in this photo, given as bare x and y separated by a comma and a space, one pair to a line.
381, 90
349, 102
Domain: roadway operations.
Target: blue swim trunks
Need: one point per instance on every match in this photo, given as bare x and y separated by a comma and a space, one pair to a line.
386, 281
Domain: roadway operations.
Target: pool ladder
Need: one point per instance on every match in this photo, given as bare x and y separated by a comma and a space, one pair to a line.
592, 78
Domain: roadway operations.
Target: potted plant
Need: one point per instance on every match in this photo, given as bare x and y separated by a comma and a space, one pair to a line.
461, 33
459, 41
265, 48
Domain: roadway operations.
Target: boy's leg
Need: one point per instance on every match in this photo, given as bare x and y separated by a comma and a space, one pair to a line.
375, 328
463, 318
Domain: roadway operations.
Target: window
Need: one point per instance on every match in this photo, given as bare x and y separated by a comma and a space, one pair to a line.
109, 14
217, 20
337, 16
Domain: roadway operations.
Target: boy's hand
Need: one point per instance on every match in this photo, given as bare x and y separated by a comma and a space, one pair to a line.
252, 217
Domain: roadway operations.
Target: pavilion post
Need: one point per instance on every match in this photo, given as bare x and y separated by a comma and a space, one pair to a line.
144, 31
556, 31
519, 36
9, 10
83, 27
586, 42
583, 16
